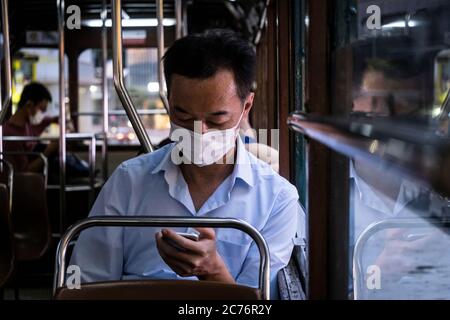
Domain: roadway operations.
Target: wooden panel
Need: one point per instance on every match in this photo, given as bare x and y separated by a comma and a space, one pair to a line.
274, 95
318, 156
285, 86
265, 96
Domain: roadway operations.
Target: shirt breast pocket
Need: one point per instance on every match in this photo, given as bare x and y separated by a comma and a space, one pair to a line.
233, 246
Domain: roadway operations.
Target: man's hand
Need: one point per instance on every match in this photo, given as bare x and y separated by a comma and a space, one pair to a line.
399, 256
199, 258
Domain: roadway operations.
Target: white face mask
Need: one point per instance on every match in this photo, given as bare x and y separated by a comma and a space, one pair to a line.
37, 118
202, 149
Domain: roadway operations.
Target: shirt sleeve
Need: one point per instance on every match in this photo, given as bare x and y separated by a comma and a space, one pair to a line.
99, 250
279, 233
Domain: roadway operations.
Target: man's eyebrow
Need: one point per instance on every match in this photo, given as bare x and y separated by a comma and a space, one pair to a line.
180, 109
219, 113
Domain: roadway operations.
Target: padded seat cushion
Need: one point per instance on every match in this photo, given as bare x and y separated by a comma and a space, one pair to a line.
158, 290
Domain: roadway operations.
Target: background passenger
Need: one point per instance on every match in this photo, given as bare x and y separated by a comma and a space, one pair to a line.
29, 120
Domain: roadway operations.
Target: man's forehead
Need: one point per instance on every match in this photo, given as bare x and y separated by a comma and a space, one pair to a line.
221, 84
210, 95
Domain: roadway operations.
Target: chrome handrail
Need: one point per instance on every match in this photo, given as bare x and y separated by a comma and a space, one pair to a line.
157, 221
120, 112
122, 92
424, 155
92, 138
69, 136
39, 154
358, 272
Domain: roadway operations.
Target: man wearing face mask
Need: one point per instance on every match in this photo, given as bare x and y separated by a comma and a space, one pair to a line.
29, 120
205, 172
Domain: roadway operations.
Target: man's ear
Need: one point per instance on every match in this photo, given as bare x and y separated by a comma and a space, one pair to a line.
248, 104
28, 105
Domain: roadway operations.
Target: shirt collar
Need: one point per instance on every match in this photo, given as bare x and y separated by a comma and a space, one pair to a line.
369, 197
166, 161
243, 168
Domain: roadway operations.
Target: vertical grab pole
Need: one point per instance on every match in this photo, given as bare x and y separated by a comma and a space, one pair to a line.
185, 21
130, 110
8, 78
62, 118
92, 156
179, 18
105, 92
160, 39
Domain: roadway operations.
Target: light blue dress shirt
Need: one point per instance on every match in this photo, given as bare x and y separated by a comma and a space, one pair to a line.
153, 185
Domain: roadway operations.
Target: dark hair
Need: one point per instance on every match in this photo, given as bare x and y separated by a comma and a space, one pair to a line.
34, 92
200, 56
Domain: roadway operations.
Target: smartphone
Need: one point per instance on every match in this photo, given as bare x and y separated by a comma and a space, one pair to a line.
415, 236
190, 236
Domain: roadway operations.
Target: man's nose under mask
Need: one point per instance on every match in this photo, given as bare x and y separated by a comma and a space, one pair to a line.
202, 149
37, 118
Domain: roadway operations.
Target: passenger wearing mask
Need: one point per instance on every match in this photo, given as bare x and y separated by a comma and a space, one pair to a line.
205, 172
29, 120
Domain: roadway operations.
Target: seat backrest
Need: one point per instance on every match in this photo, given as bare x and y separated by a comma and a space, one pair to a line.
174, 289
158, 290
6, 239
30, 219
6, 178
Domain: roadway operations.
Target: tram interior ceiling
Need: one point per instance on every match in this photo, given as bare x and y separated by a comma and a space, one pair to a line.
341, 107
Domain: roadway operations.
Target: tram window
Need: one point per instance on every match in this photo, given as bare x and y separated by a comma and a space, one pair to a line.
142, 83
441, 78
41, 65
400, 71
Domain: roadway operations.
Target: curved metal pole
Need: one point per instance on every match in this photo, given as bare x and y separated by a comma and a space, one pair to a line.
160, 39
104, 16
148, 221
7, 66
62, 116
90, 138
358, 272
122, 92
